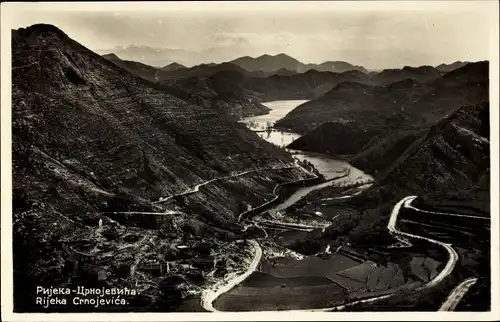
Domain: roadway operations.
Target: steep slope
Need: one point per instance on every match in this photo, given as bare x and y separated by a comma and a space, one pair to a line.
369, 110
383, 149
91, 139
454, 151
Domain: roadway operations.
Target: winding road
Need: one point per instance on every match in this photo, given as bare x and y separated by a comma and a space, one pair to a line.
446, 214
196, 188
453, 256
209, 296
450, 303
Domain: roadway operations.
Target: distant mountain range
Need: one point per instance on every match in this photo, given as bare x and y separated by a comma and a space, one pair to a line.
161, 57
267, 64
361, 113
283, 83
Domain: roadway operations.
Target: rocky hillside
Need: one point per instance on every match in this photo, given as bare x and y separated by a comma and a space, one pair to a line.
454, 152
91, 139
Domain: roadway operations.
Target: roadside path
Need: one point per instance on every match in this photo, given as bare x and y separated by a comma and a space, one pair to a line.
198, 186
457, 294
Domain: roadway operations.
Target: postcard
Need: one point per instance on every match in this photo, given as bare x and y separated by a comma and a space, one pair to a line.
286, 160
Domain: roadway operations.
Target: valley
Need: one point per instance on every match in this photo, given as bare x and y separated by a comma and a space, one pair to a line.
259, 184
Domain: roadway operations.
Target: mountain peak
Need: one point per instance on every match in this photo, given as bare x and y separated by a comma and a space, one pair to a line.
40, 29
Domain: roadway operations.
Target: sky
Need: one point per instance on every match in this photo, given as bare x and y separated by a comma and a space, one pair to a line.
378, 36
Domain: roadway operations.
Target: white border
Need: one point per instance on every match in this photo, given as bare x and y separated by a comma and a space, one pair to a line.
9, 11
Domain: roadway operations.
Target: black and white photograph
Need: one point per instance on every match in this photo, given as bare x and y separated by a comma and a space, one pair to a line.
296, 158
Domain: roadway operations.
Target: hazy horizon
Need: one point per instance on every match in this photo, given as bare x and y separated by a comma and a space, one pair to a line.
372, 38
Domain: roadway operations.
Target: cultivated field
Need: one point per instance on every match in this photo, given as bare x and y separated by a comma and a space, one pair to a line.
280, 298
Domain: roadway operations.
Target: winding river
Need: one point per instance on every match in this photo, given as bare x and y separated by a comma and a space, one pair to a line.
329, 167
